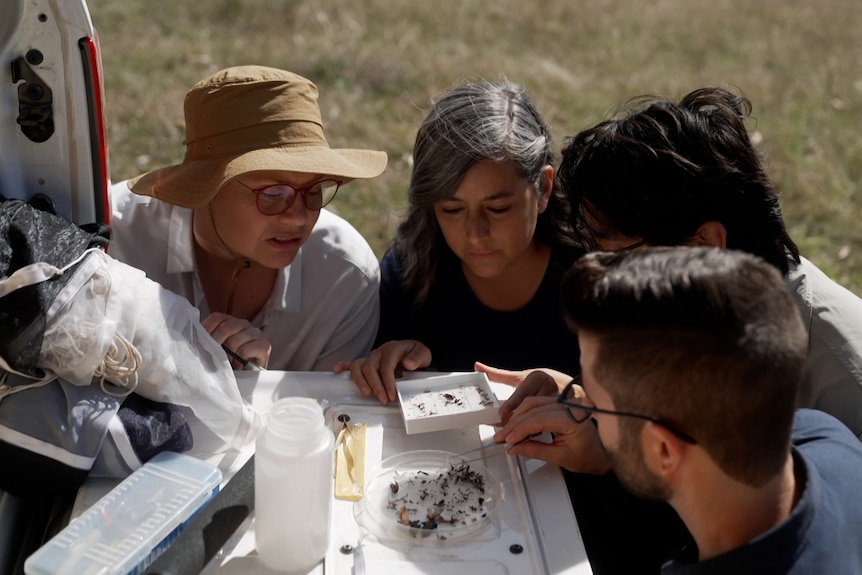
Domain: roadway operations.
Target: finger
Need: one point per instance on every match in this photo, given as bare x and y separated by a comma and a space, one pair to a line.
521, 432
536, 384
497, 375
398, 355
358, 378
549, 452
371, 374
244, 339
212, 323
534, 415
509, 406
257, 349
232, 331
527, 389
392, 355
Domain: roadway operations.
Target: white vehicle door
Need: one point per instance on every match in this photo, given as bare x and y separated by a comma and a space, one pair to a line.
53, 153
52, 119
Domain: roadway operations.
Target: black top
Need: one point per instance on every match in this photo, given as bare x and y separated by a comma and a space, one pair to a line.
459, 329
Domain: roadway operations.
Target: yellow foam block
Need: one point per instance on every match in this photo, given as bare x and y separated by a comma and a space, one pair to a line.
350, 462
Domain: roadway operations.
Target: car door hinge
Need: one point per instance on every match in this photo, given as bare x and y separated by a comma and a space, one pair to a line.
35, 99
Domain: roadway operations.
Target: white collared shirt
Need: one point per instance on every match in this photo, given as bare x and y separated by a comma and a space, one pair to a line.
324, 307
833, 316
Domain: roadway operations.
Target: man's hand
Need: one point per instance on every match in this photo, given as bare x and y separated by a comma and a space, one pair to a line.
527, 383
576, 446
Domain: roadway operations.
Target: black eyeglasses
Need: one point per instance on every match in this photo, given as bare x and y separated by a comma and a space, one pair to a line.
631, 247
584, 413
277, 199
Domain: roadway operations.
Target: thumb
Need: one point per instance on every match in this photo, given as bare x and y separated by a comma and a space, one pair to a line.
419, 356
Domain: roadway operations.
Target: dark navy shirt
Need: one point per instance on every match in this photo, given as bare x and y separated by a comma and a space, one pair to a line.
459, 329
823, 533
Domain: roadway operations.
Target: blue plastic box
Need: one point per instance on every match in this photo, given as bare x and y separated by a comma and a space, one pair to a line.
128, 528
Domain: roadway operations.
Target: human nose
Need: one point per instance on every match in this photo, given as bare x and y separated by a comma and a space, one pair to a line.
297, 212
476, 226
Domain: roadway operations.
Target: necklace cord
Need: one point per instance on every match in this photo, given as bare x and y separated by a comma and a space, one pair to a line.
244, 263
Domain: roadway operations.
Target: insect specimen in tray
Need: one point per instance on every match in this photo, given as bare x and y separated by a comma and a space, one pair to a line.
485, 397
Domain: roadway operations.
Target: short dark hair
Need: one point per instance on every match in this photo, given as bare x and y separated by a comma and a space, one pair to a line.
478, 121
661, 169
708, 339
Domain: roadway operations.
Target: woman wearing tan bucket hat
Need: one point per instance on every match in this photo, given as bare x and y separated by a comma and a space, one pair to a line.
238, 227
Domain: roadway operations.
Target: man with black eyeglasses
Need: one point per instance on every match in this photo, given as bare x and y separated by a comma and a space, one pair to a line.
691, 362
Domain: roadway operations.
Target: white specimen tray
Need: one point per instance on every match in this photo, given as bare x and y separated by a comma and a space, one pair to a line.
447, 402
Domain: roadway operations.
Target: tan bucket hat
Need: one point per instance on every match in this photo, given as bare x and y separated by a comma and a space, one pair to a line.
247, 119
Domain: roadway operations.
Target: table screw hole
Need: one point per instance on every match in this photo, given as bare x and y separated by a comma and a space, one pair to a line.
343, 418
346, 549
516, 549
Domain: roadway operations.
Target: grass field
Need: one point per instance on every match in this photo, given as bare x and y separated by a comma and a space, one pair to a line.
378, 62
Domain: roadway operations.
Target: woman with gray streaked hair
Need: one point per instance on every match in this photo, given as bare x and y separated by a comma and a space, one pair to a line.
473, 273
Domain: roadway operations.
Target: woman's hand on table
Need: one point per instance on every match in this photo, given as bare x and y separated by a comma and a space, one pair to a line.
376, 373
239, 336
576, 446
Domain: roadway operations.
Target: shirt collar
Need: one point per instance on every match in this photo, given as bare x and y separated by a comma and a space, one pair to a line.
181, 251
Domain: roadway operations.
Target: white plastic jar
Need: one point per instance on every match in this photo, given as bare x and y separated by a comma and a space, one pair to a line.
294, 459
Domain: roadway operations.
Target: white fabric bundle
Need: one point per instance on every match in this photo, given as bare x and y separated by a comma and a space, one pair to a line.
113, 323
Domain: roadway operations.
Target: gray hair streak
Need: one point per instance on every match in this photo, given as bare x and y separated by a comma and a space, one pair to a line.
495, 121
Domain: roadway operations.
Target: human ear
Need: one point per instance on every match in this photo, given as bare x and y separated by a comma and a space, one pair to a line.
710, 234
663, 451
547, 186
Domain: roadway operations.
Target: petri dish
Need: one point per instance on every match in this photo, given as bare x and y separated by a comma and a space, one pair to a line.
428, 497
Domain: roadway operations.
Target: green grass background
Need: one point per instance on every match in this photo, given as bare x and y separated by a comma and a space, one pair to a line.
377, 64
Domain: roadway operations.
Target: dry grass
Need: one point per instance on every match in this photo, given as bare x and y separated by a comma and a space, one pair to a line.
378, 62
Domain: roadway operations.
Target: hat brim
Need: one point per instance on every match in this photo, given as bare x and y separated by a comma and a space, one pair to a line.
195, 183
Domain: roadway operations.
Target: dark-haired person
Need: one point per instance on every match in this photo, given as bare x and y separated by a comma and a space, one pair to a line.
475, 268
687, 173
691, 360
240, 230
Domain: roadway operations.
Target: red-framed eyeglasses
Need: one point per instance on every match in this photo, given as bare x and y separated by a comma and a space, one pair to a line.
276, 199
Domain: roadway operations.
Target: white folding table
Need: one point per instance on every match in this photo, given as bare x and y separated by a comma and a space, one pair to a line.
534, 533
